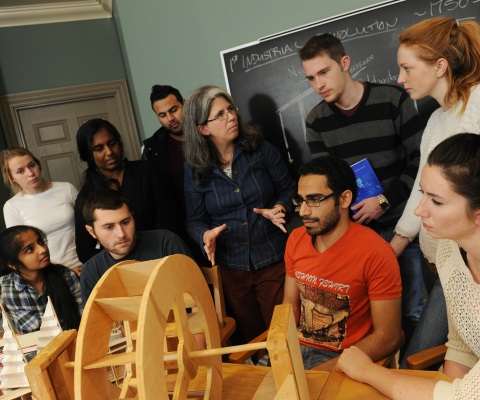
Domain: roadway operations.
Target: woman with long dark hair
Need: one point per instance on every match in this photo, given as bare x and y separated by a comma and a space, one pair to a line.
449, 209
28, 278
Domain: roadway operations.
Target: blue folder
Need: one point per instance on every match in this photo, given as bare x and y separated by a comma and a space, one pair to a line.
367, 182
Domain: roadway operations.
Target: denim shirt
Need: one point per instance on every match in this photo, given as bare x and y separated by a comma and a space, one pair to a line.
259, 180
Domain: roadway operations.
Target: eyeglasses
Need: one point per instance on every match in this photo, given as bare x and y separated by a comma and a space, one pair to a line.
297, 201
222, 116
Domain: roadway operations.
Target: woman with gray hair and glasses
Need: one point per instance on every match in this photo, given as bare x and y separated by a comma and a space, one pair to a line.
238, 195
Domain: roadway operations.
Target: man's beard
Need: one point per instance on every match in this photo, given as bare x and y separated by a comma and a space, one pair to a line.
333, 100
178, 131
328, 223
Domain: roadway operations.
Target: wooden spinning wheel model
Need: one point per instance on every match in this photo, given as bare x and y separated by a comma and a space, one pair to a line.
151, 298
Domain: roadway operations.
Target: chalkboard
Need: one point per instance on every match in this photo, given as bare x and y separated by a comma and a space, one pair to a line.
267, 81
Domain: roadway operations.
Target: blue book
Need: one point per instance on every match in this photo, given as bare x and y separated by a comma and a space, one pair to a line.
367, 182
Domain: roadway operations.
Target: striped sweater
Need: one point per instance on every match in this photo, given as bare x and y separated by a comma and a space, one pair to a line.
386, 129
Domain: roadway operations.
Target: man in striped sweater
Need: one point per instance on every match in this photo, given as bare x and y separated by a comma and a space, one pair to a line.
378, 122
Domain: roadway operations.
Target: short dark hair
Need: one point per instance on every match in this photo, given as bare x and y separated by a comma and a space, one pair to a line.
458, 158
340, 176
322, 44
85, 136
159, 92
108, 199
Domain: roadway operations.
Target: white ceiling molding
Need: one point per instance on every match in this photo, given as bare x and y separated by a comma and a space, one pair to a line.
46, 12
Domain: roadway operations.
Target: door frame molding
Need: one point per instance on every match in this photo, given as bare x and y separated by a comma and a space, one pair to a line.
47, 12
12, 104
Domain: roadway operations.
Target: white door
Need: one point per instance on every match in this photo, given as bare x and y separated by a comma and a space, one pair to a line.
46, 122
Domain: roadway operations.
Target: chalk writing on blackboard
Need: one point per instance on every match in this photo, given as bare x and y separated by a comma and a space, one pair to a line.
268, 83
439, 7
248, 62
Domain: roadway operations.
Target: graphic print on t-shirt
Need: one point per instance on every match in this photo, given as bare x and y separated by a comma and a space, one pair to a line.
324, 316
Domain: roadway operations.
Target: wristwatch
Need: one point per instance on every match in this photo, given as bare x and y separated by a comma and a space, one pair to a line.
382, 200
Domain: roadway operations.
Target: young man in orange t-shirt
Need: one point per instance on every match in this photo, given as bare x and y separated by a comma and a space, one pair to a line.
342, 279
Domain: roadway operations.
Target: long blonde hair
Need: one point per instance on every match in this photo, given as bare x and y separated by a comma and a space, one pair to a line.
5, 156
458, 43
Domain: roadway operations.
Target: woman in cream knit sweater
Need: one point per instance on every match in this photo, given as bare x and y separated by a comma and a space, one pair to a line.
450, 209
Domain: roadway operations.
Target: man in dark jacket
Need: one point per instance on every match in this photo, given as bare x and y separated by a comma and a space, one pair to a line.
164, 150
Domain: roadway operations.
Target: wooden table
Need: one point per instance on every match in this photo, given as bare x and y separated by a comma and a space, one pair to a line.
241, 382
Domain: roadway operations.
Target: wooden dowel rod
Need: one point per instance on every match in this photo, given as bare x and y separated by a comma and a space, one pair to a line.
220, 351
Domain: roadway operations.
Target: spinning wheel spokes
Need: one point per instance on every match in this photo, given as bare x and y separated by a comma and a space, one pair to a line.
146, 300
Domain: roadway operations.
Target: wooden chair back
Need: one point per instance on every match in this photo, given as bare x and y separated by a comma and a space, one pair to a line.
226, 324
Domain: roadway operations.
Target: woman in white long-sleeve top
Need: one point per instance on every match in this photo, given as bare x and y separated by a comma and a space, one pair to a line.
40, 203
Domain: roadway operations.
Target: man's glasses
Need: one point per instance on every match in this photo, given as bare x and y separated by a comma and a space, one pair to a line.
222, 116
315, 202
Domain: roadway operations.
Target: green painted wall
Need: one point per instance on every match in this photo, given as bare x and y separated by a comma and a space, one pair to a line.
56, 55
179, 42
